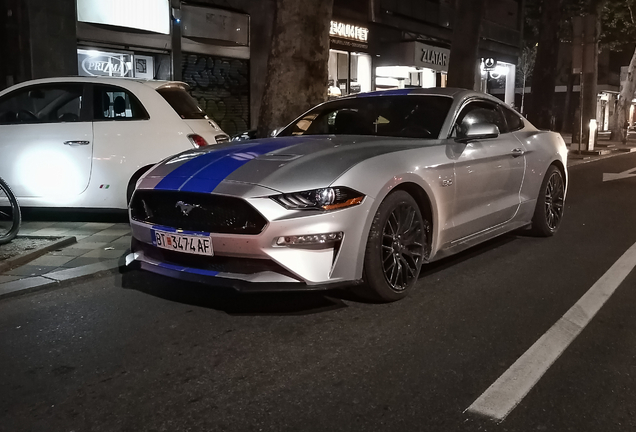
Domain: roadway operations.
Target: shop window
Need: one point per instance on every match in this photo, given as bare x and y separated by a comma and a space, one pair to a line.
42, 104
349, 73
114, 103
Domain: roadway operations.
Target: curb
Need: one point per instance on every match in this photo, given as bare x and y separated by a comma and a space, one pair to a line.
573, 162
59, 278
19, 260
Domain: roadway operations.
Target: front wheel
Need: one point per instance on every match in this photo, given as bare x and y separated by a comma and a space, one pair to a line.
395, 248
548, 212
10, 216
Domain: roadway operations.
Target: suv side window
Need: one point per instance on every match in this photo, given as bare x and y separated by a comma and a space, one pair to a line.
513, 119
477, 113
49, 103
114, 103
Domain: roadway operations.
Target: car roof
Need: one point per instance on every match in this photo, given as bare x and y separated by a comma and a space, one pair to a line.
119, 81
455, 93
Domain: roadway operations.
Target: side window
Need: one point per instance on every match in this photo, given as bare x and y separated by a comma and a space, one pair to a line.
477, 113
513, 119
43, 104
114, 103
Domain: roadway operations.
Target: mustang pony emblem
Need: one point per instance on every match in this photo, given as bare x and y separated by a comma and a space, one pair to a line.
185, 207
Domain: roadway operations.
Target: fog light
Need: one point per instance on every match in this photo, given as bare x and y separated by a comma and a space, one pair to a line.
309, 239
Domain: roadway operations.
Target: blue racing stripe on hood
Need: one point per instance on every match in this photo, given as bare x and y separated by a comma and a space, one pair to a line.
204, 173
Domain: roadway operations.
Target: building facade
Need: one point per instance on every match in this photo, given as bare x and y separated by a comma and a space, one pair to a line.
220, 47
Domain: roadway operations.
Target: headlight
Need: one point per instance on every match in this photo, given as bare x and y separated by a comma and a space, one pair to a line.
320, 199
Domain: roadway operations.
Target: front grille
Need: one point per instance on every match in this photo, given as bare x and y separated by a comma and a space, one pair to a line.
196, 212
221, 264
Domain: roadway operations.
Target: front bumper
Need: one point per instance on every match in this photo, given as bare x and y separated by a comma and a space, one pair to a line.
256, 262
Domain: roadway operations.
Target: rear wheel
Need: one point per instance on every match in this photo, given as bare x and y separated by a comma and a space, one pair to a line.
395, 248
548, 212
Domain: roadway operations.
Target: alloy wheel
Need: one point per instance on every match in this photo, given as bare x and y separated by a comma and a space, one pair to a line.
402, 247
554, 198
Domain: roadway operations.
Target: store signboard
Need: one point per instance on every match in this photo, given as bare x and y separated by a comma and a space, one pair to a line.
431, 57
215, 24
100, 63
349, 37
149, 15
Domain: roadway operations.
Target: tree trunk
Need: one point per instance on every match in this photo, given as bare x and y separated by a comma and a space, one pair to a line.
545, 66
297, 66
462, 65
619, 124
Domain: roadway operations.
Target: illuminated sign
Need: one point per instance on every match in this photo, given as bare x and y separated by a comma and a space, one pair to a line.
149, 15
99, 63
348, 31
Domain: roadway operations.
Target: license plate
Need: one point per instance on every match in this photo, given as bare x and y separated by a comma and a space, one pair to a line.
192, 244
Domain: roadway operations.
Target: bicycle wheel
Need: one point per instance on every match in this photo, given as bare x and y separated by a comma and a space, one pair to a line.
10, 216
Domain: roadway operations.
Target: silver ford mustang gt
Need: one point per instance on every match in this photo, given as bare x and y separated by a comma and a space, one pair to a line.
361, 190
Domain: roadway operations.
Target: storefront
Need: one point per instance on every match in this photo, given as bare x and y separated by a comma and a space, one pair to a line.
498, 77
412, 65
350, 64
212, 55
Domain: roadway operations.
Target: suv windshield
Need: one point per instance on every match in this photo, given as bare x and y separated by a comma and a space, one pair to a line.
411, 116
182, 103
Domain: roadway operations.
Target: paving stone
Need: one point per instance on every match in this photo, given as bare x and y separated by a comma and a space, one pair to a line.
36, 225
99, 225
51, 260
100, 238
71, 273
87, 245
7, 278
101, 253
114, 231
52, 232
69, 252
69, 225
82, 261
30, 270
125, 240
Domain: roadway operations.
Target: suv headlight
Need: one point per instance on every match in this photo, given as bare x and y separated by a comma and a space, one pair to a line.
331, 198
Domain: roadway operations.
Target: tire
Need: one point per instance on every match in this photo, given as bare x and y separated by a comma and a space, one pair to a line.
10, 217
395, 249
548, 212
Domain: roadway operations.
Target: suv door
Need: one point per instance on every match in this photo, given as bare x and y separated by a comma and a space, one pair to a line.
489, 172
46, 140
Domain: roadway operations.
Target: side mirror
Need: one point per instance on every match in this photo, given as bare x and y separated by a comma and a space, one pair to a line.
479, 131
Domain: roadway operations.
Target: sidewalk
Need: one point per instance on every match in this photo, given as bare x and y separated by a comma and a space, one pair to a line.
603, 149
99, 247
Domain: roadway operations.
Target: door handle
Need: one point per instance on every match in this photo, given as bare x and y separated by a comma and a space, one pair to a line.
76, 143
518, 152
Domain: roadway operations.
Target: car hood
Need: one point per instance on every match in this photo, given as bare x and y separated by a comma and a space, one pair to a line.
284, 164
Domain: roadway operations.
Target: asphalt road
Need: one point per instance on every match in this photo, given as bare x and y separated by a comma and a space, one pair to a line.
137, 352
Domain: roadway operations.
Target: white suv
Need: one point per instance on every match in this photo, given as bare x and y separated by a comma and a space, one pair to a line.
84, 142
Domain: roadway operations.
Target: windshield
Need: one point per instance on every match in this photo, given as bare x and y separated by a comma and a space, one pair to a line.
182, 103
395, 116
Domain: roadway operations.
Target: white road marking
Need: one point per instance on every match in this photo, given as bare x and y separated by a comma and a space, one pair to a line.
511, 387
620, 175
